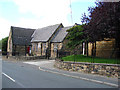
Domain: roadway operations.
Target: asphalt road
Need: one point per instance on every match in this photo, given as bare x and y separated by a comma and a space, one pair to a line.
20, 75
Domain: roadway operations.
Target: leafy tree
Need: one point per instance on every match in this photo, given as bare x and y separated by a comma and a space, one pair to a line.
1, 44
4, 45
103, 22
76, 36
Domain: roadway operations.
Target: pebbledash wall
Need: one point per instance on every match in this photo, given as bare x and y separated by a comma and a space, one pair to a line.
110, 70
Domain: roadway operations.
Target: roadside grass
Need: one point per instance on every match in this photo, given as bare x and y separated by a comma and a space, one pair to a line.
82, 58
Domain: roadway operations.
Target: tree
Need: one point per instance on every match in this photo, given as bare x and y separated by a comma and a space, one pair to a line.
103, 22
1, 44
76, 36
4, 45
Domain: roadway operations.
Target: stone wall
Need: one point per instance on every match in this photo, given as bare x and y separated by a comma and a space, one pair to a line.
36, 51
27, 57
104, 48
110, 70
39, 49
54, 48
20, 50
9, 44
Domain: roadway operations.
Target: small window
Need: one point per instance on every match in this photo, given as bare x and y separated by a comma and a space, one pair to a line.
55, 46
36, 47
39, 45
44, 47
33, 47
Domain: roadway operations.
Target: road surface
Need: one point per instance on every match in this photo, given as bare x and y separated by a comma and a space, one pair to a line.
21, 75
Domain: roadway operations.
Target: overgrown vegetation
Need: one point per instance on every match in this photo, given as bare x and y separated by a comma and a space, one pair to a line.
82, 58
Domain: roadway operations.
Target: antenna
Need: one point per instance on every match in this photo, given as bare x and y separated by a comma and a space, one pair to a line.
71, 12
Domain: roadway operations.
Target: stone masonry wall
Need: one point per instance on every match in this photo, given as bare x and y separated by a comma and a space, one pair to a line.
110, 70
27, 57
104, 48
53, 52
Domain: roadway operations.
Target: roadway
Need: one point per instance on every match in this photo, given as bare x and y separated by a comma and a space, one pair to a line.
21, 75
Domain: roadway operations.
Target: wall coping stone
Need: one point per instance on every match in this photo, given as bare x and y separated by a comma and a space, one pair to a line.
110, 70
87, 63
27, 57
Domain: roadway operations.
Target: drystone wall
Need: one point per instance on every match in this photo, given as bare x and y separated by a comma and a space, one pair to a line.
27, 57
110, 70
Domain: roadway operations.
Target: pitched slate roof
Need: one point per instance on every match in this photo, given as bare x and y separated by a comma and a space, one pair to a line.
43, 34
21, 36
61, 34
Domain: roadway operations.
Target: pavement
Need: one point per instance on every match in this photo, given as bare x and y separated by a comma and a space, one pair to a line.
48, 66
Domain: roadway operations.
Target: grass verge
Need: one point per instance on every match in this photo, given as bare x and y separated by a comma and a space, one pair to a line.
82, 58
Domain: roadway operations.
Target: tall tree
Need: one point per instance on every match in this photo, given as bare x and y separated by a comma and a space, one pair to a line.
103, 22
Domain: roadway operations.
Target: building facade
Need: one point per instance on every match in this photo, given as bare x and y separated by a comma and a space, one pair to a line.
19, 41
41, 39
47, 41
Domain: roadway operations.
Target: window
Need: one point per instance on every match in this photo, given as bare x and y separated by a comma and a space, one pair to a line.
44, 47
55, 47
36, 47
39, 47
33, 47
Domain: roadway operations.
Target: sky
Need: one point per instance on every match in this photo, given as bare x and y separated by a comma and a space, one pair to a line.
40, 13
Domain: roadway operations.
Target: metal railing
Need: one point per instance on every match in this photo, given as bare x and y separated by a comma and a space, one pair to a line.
107, 56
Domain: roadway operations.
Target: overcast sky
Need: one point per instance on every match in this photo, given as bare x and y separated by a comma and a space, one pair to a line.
40, 13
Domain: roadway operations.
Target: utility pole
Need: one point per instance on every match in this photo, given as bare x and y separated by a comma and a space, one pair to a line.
71, 12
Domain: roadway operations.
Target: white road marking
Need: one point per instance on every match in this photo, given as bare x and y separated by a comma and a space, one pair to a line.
111, 84
8, 77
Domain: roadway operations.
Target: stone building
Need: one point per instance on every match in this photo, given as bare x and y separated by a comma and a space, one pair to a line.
36, 42
48, 40
19, 41
42, 37
58, 42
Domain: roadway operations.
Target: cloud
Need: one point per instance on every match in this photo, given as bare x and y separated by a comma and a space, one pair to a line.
5, 28
50, 11
46, 12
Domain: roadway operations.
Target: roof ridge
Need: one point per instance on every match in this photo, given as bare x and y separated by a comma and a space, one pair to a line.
49, 26
43, 34
21, 27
